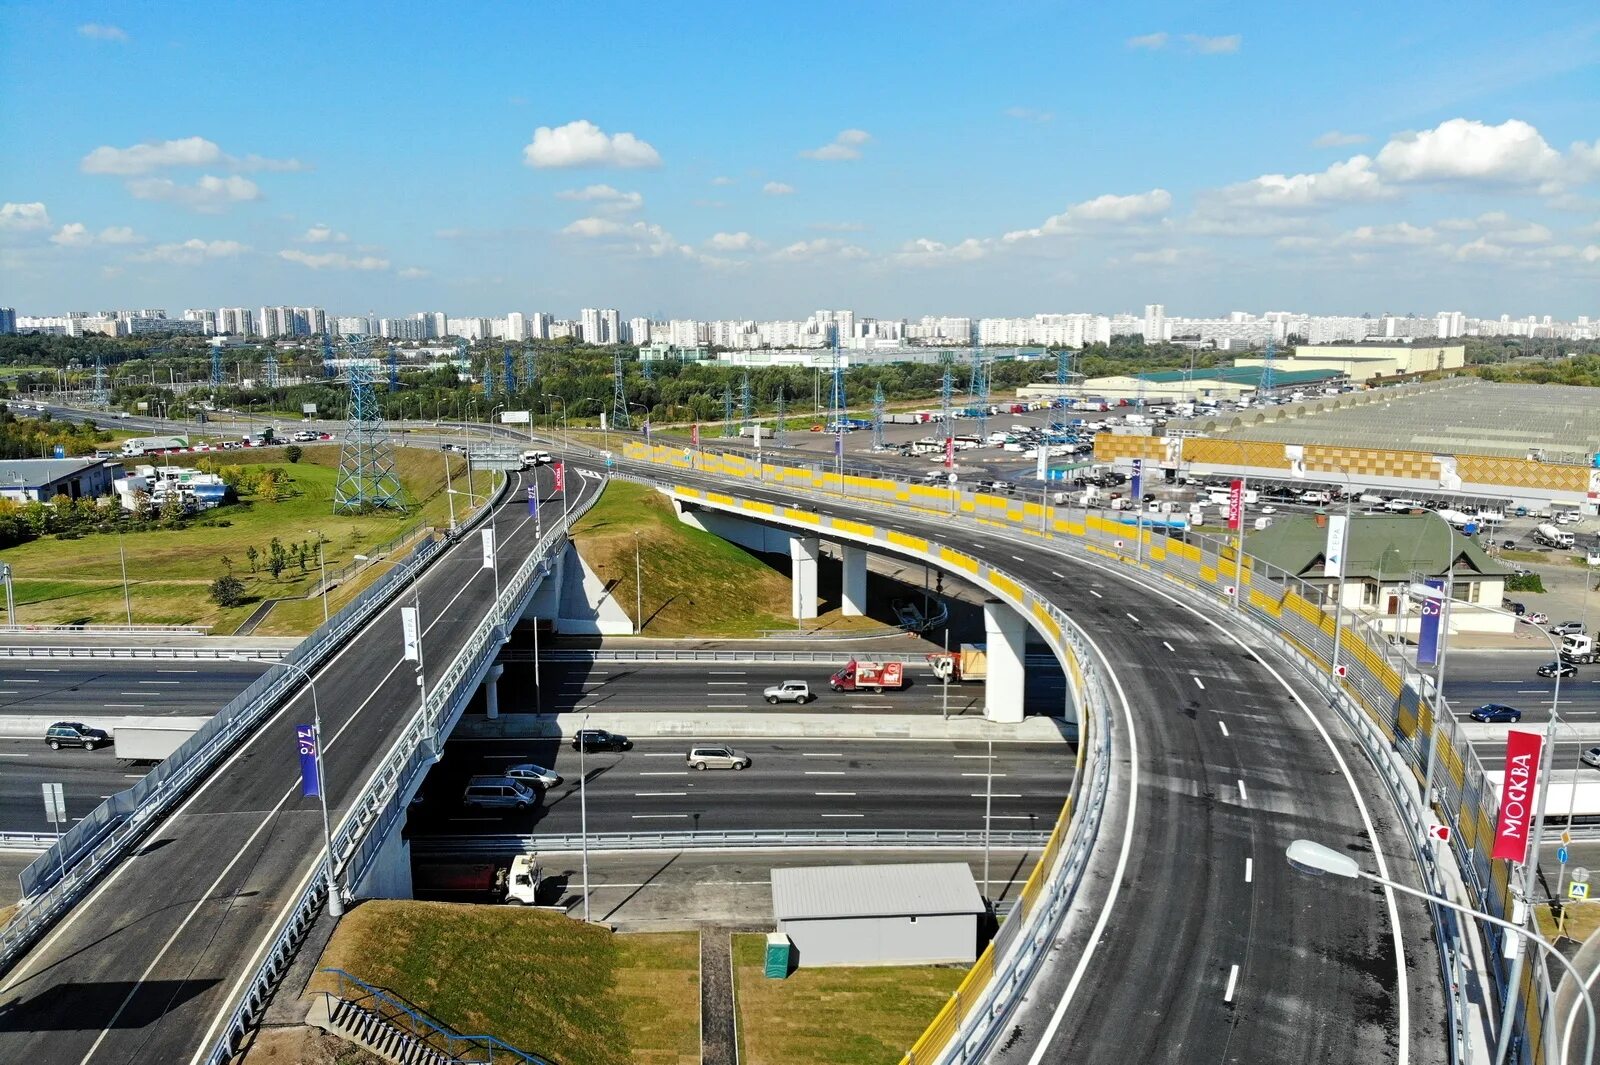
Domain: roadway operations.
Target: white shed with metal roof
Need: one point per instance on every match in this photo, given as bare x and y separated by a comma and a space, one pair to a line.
879, 914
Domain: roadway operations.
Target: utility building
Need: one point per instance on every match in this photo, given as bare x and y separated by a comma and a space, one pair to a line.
23, 480
879, 914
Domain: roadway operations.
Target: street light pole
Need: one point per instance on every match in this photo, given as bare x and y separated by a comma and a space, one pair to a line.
638, 587
1338, 605
583, 813
322, 567
988, 807
127, 600
1315, 859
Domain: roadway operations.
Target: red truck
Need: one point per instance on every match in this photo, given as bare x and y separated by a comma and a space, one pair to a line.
874, 676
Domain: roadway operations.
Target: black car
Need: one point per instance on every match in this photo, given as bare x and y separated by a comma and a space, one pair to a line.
598, 739
1516, 608
1558, 669
76, 734
1497, 713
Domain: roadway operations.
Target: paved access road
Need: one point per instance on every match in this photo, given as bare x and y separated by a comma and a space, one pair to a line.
1212, 949
809, 784
148, 966
104, 689
611, 687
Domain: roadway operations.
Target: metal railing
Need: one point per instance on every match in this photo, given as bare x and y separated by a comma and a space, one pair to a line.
777, 838
372, 814
25, 629
391, 1009
60, 876
751, 657
185, 654
26, 841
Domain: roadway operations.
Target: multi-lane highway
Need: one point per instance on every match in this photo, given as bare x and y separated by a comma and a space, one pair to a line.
106, 689
86, 778
1207, 947
146, 968
802, 784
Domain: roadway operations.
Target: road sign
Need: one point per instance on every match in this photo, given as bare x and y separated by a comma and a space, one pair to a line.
1566, 837
1580, 874
1561, 855
1439, 832
1228, 590
55, 804
1577, 891
1340, 670
59, 451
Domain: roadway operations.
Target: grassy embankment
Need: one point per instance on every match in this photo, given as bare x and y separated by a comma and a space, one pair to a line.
844, 1016
170, 570
544, 983
695, 584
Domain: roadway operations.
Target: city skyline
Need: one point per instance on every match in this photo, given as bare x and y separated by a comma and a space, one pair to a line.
739, 163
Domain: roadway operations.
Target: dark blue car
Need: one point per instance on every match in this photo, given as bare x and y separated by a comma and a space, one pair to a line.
1497, 713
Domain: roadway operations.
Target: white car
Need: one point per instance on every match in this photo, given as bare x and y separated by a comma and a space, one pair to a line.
530, 774
790, 691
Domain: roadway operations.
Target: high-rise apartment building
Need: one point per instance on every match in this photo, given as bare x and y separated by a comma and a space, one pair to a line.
516, 327
539, 325
206, 318
8, 320
638, 331
1155, 323
236, 321
611, 325
589, 325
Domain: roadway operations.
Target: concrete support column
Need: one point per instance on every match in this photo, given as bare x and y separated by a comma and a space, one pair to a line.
389, 875
1007, 634
803, 552
853, 564
491, 690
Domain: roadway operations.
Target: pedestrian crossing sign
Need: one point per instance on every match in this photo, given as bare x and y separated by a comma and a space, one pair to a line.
1578, 891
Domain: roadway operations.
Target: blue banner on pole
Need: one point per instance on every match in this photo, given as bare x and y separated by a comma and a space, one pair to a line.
1428, 639
306, 738
1138, 480
533, 502
838, 445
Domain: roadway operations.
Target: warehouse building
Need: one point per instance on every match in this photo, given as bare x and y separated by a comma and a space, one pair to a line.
1170, 386
23, 480
879, 914
1367, 362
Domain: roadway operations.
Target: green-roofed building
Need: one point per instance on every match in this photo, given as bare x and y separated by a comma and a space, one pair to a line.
1215, 383
1386, 552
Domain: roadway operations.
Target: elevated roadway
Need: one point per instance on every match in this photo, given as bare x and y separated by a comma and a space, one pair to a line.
146, 968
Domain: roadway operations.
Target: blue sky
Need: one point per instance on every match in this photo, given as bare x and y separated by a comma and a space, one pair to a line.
757, 160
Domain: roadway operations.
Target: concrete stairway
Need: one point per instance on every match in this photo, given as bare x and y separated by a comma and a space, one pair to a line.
361, 1026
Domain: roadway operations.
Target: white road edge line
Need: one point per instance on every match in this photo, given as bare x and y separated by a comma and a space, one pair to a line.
1223, 725
1244, 796
1249, 869
1233, 979
1198, 683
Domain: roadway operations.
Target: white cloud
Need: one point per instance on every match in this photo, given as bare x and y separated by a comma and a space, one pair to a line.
102, 31
209, 195
1501, 226
188, 151
777, 188
847, 145
24, 216
1591, 253
722, 179
1160, 257
604, 197
73, 235
822, 247
333, 260
925, 252
1102, 210
1028, 114
1399, 233
640, 238
1460, 149
321, 234
582, 143
1482, 250
119, 235
740, 241
593, 227
192, 251
1213, 45
1151, 41
1349, 181
1335, 139
412, 273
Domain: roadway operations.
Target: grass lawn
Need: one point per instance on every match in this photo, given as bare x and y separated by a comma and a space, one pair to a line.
695, 584
169, 571
544, 983
833, 1016
1583, 920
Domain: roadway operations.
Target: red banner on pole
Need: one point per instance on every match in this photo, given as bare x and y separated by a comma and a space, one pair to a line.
949, 452
1517, 795
558, 468
694, 435
1235, 504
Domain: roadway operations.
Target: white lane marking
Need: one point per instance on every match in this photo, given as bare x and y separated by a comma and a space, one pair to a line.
997, 776
1233, 979
824, 772
848, 793
841, 815
1223, 725
1019, 558
658, 817
16, 756
124, 706
979, 756
823, 754
1133, 619
658, 794
1249, 870
1096, 594
1244, 796
664, 773
997, 795
660, 754
727, 706
1198, 683
1013, 817
1057, 576
38, 669
1169, 647
160, 682
727, 672
726, 683
20, 680
177, 671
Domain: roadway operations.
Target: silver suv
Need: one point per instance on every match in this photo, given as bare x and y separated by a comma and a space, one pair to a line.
790, 691
717, 758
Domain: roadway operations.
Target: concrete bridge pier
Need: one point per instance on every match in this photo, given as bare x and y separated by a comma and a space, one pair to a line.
491, 691
1007, 634
853, 561
803, 554
389, 875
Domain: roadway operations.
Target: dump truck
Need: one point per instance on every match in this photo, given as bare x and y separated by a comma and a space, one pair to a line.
869, 676
148, 743
522, 886
971, 663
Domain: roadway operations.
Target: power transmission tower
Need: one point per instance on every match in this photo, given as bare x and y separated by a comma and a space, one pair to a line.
978, 387
836, 400
727, 411
877, 418
488, 377
646, 368
366, 478
394, 371
509, 372
1266, 367
778, 423
216, 366
269, 370
328, 368
530, 367
744, 401
102, 395
619, 395
1063, 376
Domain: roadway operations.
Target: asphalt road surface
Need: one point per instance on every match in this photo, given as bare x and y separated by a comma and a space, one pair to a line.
1473, 678
806, 784
77, 690
86, 778
148, 966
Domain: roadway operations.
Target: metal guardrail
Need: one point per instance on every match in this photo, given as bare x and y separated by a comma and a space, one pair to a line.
365, 824
166, 654
752, 657
26, 841
105, 630
777, 839
60, 876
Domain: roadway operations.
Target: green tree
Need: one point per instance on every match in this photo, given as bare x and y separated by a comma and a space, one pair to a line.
293, 452
277, 558
227, 590
227, 564
251, 555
